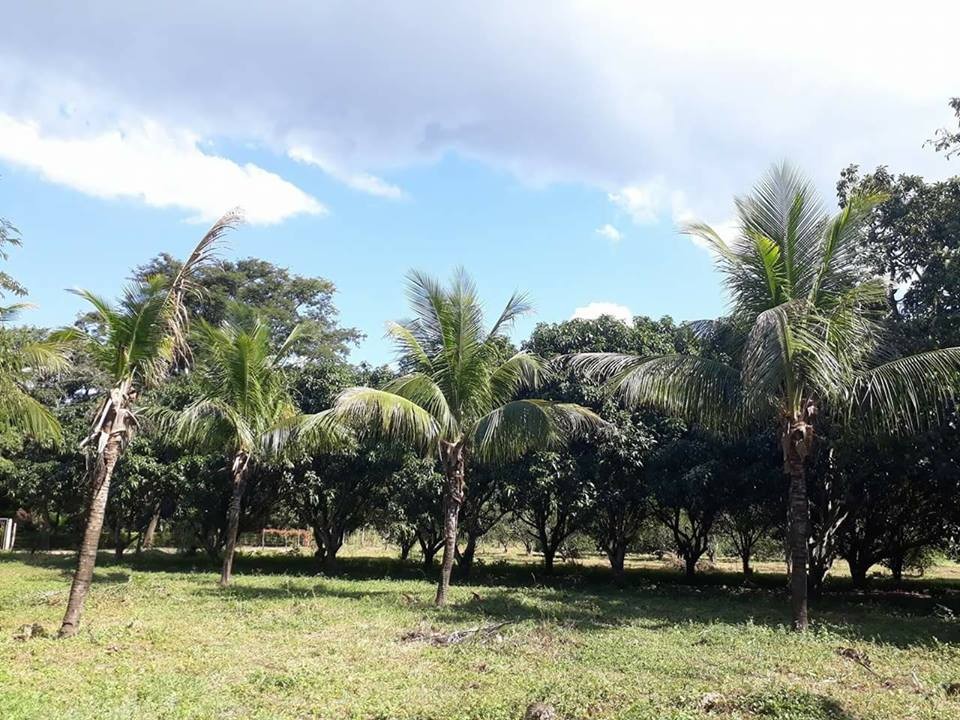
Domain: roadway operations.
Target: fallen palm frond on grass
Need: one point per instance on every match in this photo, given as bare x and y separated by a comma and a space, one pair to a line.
442, 639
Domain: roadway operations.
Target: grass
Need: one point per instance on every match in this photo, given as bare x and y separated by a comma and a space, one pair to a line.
160, 640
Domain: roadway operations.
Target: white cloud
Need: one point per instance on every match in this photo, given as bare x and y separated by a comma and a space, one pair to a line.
610, 233
648, 203
160, 167
363, 182
601, 93
594, 310
642, 202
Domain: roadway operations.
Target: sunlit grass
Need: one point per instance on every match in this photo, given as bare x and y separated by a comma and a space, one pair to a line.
160, 640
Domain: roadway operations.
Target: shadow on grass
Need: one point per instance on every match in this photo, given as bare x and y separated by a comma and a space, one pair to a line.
794, 704
582, 596
606, 607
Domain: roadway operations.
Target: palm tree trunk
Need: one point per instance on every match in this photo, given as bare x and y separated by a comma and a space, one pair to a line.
102, 471
454, 465
233, 515
795, 445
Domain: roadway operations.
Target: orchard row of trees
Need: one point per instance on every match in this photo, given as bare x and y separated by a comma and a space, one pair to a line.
215, 396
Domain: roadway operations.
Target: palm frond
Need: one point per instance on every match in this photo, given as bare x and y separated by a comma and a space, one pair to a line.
26, 414
387, 415
205, 252
184, 282
853, 322
840, 262
317, 433
517, 306
9, 313
104, 309
905, 395
410, 347
523, 426
213, 425
783, 206
694, 388
431, 311
296, 336
523, 371
712, 239
423, 391
50, 355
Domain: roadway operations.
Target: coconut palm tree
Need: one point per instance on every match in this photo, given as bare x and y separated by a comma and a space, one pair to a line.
135, 343
459, 394
806, 339
245, 407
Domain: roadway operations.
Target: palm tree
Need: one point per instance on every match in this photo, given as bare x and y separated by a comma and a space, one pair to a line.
135, 344
459, 396
245, 407
807, 339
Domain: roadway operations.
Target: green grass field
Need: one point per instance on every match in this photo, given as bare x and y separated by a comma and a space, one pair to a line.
160, 640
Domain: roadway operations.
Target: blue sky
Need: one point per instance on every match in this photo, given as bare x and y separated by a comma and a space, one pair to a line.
552, 152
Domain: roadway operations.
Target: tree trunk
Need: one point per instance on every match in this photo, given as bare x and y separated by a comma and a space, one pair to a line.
896, 568
405, 548
465, 560
332, 543
745, 562
101, 472
549, 555
816, 576
233, 515
118, 544
690, 566
428, 552
858, 573
150, 534
617, 554
330, 561
454, 465
796, 442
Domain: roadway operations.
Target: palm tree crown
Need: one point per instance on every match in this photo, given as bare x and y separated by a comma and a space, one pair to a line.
805, 332
460, 386
244, 398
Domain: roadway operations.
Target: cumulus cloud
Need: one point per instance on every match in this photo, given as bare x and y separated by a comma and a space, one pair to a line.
610, 233
161, 168
593, 310
643, 203
608, 94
